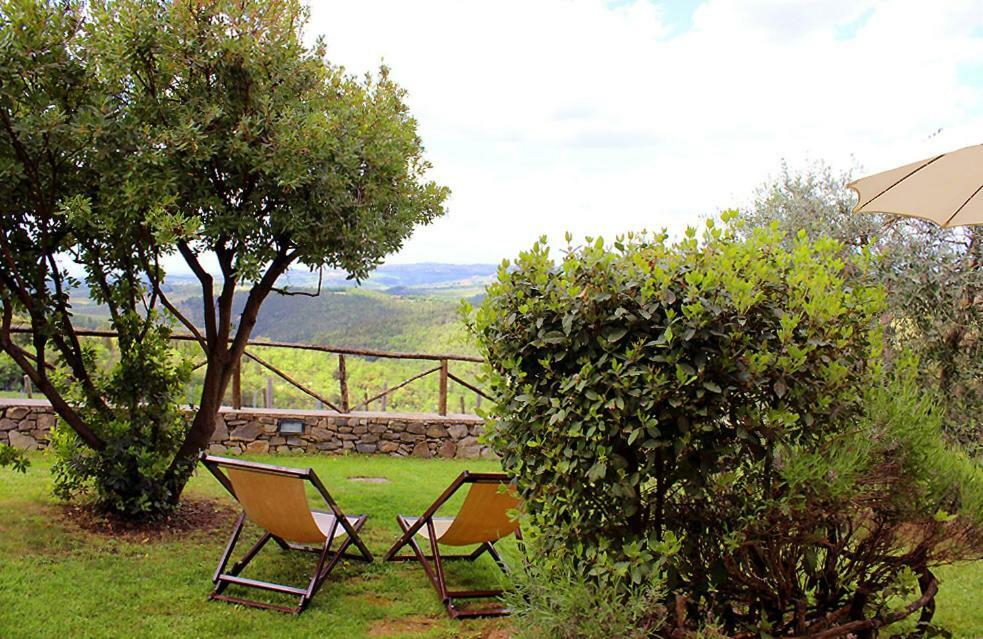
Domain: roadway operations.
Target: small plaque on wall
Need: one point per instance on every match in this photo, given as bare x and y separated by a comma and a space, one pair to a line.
290, 426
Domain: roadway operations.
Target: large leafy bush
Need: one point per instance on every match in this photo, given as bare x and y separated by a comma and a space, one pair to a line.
700, 406
142, 429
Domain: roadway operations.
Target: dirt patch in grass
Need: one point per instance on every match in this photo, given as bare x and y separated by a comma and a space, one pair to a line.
368, 480
193, 515
400, 627
376, 600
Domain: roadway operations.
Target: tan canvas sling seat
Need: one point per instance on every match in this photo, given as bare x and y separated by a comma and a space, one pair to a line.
274, 498
485, 517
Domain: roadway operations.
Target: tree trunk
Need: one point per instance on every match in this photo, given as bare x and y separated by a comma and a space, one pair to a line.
217, 377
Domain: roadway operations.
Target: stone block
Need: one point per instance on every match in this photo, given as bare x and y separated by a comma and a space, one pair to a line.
422, 450
320, 434
221, 432
258, 447
366, 448
370, 438
217, 449
447, 449
416, 429
377, 428
436, 431
388, 447
468, 452
22, 441
7, 424
17, 412
457, 431
468, 441
247, 432
47, 421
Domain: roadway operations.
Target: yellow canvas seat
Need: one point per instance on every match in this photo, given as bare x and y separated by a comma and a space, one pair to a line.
486, 516
275, 499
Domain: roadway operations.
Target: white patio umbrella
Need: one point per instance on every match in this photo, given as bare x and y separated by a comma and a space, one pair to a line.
946, 189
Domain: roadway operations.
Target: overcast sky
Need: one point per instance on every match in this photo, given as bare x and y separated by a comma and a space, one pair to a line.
598, 117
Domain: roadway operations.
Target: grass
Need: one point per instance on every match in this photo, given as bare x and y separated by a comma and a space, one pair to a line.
57, 580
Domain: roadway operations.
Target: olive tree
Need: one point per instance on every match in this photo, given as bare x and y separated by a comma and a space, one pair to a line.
932, 276
144, 132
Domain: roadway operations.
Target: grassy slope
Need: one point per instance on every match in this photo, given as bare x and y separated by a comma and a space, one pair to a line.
58, 581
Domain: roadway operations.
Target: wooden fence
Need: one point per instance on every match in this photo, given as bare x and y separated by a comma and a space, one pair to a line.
345, 404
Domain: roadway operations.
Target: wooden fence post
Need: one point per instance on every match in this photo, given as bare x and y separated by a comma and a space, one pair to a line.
385, 389
27, 387
343, 382
269, 392
237, 386
462, 404
442, 405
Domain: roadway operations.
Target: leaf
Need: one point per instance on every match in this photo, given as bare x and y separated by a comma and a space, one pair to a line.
598, 470
614, 334
780, 388
712, 387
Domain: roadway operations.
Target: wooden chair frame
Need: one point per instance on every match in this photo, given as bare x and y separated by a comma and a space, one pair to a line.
327, 558
433, 563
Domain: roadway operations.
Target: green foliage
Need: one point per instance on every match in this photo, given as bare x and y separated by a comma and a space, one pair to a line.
554, 599
134, 130
263, 148
622, 375
141, 434
932, 277
716, 408
14, 458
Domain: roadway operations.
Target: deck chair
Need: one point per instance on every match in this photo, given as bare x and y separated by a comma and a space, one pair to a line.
484, 518
273, 498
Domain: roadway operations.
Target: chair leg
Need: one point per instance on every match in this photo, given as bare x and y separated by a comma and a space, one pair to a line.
327, 560
435, 573
233, 539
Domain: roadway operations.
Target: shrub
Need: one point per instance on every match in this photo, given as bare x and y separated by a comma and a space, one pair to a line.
704, 407
557, 600
15, 459
142, 432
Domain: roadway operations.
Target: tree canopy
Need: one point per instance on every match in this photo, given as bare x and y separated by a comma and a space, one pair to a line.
139, 131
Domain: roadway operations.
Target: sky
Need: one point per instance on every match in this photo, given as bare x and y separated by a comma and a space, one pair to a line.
599, 117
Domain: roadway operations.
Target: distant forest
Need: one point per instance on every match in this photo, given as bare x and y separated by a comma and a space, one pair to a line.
417, 311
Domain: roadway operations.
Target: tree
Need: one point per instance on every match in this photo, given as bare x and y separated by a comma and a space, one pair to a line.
146, 131
932, 276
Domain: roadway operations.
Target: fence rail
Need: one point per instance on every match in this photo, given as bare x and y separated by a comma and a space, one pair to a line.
344, 405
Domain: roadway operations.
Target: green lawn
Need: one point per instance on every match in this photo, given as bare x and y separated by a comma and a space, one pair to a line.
59, 581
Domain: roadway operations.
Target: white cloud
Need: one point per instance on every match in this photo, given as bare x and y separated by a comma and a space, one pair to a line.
552, 115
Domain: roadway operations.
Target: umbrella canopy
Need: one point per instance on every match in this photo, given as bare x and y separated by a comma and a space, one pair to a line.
946, 189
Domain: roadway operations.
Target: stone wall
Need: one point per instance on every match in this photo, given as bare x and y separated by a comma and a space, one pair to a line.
25, 424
